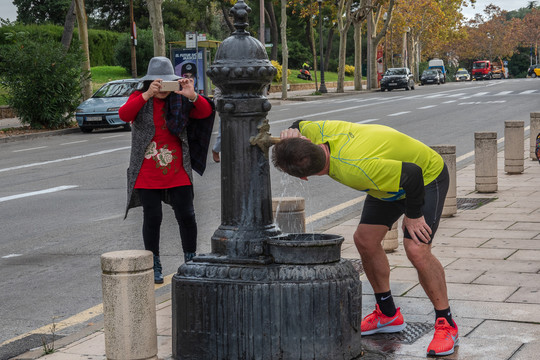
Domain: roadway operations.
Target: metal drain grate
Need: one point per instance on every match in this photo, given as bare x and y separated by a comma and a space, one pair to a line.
472, 203
409, 335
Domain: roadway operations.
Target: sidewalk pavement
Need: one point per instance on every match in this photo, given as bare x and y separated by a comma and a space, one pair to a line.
491, 255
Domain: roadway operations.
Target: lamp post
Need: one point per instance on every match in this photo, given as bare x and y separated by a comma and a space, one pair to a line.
322, 88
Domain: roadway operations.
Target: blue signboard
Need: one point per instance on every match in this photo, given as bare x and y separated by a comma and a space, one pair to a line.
188, 61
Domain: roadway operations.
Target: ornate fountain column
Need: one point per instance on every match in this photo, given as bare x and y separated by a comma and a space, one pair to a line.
260, 294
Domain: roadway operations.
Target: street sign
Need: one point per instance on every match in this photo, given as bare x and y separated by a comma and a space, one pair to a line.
191, 40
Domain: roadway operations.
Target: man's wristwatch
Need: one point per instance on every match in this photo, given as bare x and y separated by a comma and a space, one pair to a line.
195, 99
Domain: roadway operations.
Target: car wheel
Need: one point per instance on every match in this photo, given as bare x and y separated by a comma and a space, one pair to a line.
86, 130
412, 86
389, 89
382, 89
127, 127
533, 75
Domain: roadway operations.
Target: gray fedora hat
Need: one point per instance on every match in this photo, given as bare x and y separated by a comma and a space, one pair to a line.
160, 67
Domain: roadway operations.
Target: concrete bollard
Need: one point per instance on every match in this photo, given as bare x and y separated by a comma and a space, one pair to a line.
533, 131
485, 161
289, 214
514, 138
448, 153
391, 241
129, 305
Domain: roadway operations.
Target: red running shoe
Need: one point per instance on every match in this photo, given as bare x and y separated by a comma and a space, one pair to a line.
445, 338
377, 322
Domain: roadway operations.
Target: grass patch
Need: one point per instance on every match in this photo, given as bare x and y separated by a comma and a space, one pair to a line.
328, 76
103, 74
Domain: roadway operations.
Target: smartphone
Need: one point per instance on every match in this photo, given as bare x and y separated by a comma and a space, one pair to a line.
170, 86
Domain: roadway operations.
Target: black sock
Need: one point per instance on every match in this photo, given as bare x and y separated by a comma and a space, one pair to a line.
445, 313
386, 303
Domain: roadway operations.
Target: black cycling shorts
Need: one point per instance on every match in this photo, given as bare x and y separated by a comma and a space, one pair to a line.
380, 212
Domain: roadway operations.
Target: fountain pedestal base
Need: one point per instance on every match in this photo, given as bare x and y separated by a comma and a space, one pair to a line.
276, 311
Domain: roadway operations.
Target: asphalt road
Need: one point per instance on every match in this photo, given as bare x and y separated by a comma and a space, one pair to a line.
62, 198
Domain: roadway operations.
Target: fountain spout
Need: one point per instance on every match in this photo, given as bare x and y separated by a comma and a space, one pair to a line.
263, 139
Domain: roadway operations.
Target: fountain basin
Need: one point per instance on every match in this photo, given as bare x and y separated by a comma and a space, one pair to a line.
305, 248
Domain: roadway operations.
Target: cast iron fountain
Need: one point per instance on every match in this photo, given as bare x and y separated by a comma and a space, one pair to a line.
260, 294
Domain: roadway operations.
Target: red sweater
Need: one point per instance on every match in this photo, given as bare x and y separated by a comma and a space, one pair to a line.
162, 167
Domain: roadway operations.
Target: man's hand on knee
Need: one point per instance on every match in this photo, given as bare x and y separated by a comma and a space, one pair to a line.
418, 229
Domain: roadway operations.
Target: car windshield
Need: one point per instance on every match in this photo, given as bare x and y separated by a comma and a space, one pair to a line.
116, 90
430, 72
462, 72
481, 65
395, 72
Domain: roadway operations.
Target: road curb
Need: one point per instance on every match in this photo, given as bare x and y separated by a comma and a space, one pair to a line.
38, 135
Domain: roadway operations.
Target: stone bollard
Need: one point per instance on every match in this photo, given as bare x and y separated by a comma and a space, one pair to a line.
485, 161
129, 305
533, 131
514, 138
289, 214
391, 241
448, 153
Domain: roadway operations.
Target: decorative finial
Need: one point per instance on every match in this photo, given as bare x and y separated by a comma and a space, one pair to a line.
240, 13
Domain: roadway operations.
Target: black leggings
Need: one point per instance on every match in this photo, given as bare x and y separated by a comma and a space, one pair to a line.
181, 198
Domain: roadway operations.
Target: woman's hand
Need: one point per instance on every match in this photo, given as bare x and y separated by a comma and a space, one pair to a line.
188, 89
418, 229
153, 89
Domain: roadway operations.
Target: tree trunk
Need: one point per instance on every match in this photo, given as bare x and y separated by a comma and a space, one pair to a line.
225, 10
156, 21
284, 49
341, 70
83, 36
69, 24
329, 43
358, 55
344, 22
273, 29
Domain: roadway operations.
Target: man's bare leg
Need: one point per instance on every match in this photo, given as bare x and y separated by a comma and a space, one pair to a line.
430, 272
368, 241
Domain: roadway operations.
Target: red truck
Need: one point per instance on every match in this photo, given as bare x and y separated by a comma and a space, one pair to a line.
482, 69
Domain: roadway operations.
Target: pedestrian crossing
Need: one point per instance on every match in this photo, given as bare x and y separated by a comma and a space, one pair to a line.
443, 95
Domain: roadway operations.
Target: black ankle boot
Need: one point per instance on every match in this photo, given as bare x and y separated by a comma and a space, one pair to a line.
158, 276
188, 256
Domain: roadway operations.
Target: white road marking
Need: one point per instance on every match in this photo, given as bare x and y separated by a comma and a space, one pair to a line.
427, 107
434, 96
482, 93
30, 149
449, 101
40, 192
74, 142
64, 159
111, 136
10, 256
366, 121
527, 92
503, 93
399, 113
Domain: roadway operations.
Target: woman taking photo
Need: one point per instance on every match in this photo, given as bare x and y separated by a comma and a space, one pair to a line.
170, 136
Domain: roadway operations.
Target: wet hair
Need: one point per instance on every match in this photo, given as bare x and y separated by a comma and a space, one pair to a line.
298, 157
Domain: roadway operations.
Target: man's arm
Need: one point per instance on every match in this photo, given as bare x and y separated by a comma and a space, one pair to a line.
412, 182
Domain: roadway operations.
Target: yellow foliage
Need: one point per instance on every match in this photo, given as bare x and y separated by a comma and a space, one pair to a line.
279, 74
349, 70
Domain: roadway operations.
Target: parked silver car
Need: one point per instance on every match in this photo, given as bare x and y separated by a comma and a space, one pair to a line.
101, 110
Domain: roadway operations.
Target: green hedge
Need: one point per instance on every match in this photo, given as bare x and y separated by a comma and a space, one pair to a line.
101, 42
